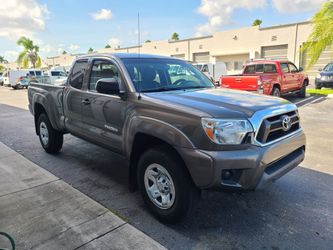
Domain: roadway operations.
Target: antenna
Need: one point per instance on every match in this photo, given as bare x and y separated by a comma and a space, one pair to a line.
139, 86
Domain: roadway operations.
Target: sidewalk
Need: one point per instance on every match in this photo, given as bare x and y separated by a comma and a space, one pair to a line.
41, 211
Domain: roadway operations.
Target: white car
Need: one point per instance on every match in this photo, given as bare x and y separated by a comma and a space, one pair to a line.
212, 70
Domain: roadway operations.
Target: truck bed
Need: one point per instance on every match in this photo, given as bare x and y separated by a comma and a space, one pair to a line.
241, 82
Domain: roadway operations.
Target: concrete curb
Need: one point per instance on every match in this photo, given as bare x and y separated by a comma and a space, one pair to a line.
41, 211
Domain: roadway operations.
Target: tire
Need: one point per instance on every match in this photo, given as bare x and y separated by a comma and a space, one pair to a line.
163, 168
276, 92
318, 86
50, 138
302, 92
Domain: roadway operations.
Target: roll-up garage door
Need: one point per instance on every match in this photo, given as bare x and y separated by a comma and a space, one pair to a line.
179, 56
274, 52
202, 57
325, 57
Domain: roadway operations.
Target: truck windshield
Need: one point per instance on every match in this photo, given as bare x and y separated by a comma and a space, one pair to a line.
154, 75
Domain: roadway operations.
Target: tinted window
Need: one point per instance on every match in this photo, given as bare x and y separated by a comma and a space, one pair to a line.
38, 73
329, 67
251, 69
32, 73
259, 68
205, 68
78, 74
58, 73
292, 67
284, 67
270, 68
102, 69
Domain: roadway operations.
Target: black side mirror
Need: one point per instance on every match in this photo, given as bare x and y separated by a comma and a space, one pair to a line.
108, 86
300, 69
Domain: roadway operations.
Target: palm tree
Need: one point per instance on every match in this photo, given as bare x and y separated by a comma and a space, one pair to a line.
148, 41
175, 36
107, 46
3, 60
29, 54
321, 35
64, 52
257, 22
90, 50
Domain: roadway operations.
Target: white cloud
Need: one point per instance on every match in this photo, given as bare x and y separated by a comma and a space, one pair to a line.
47, 48
114, 42
21, 18
285, 6
74, 47
103, 14
219, 12
11, 55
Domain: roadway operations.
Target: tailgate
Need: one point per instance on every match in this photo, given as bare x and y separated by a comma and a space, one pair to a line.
249, 83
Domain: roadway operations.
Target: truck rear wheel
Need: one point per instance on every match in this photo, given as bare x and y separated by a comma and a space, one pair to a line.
165, 185
50, 138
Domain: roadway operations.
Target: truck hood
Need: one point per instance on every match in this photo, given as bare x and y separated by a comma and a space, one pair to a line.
219, 102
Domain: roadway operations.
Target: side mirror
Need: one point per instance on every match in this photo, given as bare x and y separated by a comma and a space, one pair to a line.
300, 69
320, 69
108, 86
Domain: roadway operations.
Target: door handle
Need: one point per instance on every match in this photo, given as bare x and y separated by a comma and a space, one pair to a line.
86, 102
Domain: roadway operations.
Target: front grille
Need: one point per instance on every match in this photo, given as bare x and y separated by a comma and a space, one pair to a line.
272, 129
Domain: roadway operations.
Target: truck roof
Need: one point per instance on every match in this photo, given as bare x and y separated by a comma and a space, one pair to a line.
125, 55
256, 61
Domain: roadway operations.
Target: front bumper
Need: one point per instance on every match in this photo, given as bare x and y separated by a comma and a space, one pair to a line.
324, 83
248, 169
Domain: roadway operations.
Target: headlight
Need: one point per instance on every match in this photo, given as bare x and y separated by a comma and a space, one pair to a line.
318, 76
226, 131
324, 78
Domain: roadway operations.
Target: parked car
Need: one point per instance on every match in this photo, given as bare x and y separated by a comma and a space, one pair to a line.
178, 134
270, 77
55, 75
14, 78
325, 77
212, 70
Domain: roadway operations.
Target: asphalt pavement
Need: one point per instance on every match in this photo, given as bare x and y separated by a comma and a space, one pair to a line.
296, 212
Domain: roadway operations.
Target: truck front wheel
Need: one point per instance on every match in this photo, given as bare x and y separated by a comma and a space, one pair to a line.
50, 138
165, 185
302, 92
276, 92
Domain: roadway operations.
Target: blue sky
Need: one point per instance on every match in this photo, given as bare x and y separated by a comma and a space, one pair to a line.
76, 25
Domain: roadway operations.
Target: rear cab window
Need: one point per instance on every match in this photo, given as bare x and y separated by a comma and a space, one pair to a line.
77, 74
270, 68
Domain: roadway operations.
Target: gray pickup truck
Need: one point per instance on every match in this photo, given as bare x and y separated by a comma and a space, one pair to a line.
177, 132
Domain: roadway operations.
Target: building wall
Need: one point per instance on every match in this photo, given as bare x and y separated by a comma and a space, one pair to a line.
231, 46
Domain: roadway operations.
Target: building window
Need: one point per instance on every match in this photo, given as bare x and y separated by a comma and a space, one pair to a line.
274, 38
228, 65
238, 65
177, 49
200, 46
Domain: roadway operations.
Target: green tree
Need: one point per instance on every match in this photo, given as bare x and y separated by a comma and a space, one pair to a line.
257, 22
148, 41
108, 46
175, 36
321, 35
29, 54
90, 50
2, 68
3, 60
64, 52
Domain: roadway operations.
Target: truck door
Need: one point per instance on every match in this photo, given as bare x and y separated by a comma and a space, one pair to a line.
295, 76
103, 115
287, 80
72, 100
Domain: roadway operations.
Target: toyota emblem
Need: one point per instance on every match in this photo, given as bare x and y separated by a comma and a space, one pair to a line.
286, 122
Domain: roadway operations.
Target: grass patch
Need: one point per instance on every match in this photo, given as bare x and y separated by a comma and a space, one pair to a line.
320, 91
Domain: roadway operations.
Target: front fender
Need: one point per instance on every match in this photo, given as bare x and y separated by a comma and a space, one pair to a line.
156, 128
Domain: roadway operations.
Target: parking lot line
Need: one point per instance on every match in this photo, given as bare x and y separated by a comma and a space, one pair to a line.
305, 100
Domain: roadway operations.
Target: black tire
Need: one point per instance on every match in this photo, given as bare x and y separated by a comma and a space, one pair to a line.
55, 138
318, 86
185, 193
276, 92
302, 92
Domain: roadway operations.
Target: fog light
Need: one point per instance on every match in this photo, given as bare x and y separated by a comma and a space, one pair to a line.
226, 175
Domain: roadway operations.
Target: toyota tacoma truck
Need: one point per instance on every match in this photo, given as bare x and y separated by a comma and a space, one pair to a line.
269, 77
177, 133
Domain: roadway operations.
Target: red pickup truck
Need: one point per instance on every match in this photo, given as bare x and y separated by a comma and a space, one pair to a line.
270, 77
